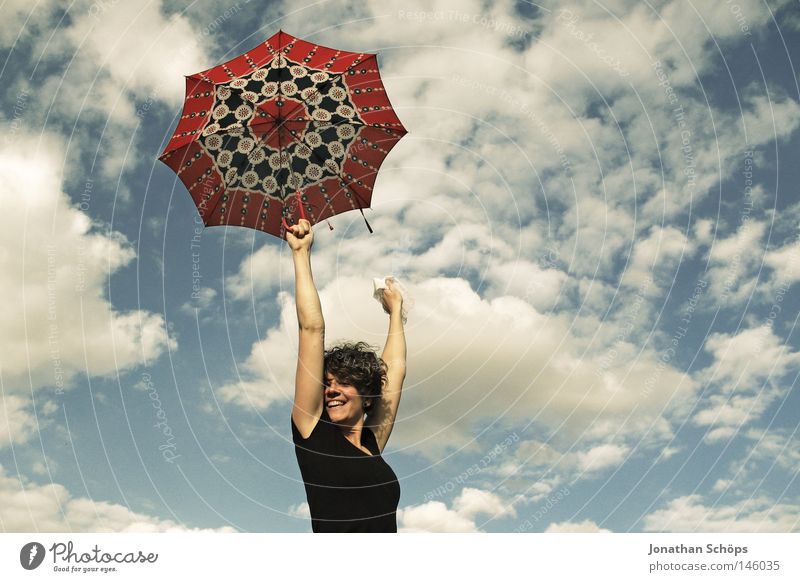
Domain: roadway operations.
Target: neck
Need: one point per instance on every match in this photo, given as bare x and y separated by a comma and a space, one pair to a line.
352, 430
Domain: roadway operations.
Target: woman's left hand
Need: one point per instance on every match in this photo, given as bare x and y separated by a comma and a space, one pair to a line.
392, 300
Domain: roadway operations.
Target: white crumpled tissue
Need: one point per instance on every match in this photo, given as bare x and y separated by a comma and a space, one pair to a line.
379, 284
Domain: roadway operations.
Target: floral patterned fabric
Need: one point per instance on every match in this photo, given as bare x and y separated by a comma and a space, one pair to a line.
286, 122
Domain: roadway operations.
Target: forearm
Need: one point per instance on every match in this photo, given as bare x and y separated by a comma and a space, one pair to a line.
394, 352
309, 309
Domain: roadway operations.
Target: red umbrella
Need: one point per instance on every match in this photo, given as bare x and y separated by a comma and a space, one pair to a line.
288, 130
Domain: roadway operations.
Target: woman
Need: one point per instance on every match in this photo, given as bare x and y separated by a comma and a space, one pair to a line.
349, 486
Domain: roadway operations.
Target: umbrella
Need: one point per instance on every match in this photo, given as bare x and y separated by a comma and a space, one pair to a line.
287, 130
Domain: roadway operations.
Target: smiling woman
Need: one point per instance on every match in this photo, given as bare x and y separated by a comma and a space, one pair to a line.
344, 409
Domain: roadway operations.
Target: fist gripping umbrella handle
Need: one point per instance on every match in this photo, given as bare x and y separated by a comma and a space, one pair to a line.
302, 212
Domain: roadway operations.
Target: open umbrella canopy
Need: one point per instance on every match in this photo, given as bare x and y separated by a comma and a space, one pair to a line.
289, 129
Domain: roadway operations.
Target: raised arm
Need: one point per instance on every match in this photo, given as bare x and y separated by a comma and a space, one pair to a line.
381, 419
308, 380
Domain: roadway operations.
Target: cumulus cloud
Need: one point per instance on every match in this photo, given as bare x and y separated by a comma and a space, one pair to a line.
267, 376
744, 359
585, 526
202, 300
27, 507
747, 371
536, 468
785, 262
690, 513
131, 41
734, 261
300, 510
58, 321
472, 502
115, 62
21, 20
765, 456
435, 516
17, 423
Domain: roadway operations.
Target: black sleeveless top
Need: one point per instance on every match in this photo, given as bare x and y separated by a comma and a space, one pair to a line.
347, 489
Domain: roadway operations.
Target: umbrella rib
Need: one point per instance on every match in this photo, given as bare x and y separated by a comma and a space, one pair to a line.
278, 127
280, 161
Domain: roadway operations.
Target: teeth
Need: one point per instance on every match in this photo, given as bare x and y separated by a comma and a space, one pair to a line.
334, 403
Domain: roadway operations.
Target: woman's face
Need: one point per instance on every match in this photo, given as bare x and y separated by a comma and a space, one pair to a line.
342, 401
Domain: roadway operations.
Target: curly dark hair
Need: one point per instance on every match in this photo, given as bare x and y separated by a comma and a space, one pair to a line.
357, 364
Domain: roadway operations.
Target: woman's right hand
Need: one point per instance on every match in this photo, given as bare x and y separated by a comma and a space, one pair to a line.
391, 298
300, 236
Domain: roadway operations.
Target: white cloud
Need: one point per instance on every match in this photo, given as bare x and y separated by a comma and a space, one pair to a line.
765, 456
754, 515
785, 261
202, 300
747, 369
17, 424
537, 468
27, 507
300, 510
602, 457
734, 261
267, 376
585, 526
725, 415
743, 360
117, 61
775, 446
528, 281
260, 274
21, 20
472, 502
533, 453
721, 485
57, 321
660, 253
143, 49
435, 516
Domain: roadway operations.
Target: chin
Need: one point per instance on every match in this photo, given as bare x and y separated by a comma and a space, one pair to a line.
339, 415
336, 412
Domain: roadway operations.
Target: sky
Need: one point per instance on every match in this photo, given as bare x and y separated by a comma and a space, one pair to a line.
595, 210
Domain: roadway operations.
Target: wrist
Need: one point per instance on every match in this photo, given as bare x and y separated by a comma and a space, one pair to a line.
301, 252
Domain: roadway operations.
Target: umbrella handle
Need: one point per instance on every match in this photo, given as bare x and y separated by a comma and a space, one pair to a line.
302, 211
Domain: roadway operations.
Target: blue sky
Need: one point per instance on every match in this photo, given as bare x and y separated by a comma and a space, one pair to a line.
596, 211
